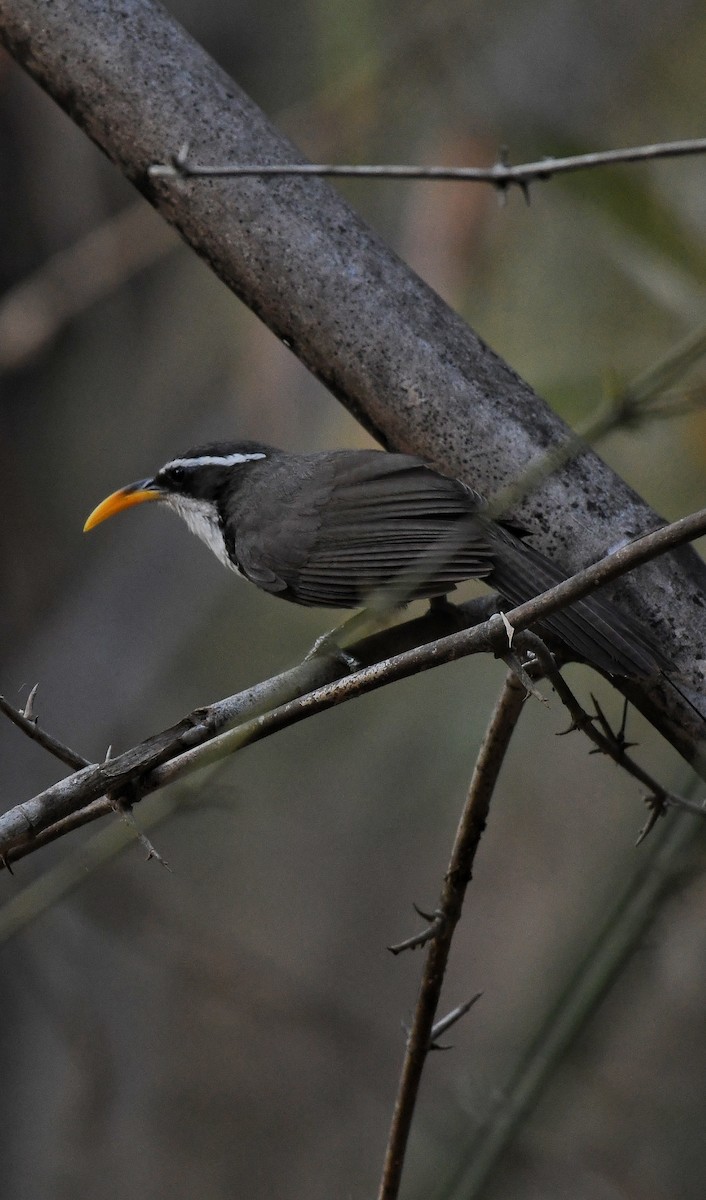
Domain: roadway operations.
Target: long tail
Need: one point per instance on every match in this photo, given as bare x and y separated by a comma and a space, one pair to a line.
591, 627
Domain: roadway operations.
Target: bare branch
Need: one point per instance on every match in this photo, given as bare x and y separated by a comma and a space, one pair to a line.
424, 1032
28, 725
501, 175
472, 823
607, 742
125, 811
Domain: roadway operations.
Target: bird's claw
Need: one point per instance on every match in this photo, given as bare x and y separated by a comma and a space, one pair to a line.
326, 645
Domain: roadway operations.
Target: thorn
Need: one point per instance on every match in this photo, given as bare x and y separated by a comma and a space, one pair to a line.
6, 863
427, 916
516, 666
124, 808
450, 1019
523, 185
657, 809
154, 853
108, 753
602, 719
509, 629
436, 926
572, 727
29, 713
617, 737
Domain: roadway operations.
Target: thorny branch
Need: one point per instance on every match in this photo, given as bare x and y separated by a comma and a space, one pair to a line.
606, 741
501, 174
28, 724
313, 686
442, 922
472, 823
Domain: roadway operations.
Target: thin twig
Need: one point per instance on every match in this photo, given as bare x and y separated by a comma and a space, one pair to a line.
501, 174
124, 810
28, 725
473, 819
606, 742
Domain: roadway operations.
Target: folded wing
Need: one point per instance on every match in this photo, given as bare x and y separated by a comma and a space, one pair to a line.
380, 527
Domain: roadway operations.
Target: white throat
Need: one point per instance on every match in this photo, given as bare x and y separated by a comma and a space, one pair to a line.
202, 519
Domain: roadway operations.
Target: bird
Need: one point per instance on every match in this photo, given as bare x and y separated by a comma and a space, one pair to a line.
349, 528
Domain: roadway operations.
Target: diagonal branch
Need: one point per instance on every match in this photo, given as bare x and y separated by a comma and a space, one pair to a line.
470, 830
287, 699
605, 741
61, 751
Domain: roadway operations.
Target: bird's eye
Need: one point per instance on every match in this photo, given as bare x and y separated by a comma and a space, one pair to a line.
177, 474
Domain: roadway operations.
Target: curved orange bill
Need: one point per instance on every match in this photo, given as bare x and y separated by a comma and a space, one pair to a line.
134, 493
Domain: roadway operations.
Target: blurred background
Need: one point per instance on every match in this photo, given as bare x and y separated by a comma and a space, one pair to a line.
234, 1028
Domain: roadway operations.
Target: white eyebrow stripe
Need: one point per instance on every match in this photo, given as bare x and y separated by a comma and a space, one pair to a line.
213, 460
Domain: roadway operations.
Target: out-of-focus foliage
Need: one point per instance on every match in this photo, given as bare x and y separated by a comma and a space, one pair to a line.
234, 1028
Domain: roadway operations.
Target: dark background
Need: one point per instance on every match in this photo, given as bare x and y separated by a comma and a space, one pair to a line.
234, 1028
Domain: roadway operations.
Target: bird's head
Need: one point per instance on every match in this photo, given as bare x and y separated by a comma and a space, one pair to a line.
195, 485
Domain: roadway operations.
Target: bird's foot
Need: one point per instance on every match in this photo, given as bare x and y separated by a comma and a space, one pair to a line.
328, 645
442, 606
360, 625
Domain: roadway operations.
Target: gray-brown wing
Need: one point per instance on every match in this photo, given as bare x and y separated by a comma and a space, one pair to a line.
389, 529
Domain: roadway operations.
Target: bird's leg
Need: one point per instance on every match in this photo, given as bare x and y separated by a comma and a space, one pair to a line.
447, 609
361, 624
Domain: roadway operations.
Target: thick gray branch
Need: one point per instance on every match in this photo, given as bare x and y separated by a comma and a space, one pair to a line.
401, 360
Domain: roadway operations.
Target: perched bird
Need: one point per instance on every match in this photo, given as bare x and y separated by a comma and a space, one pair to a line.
342, 528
